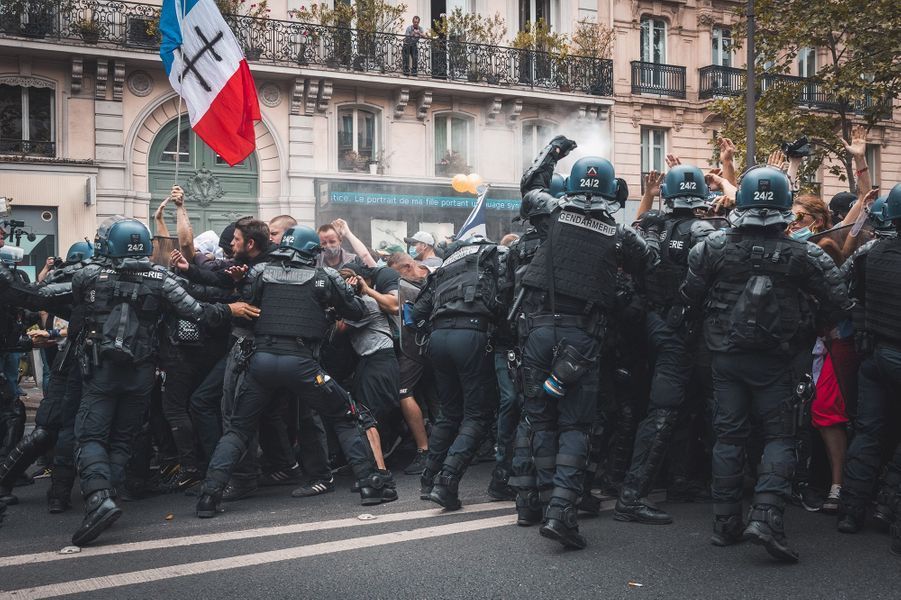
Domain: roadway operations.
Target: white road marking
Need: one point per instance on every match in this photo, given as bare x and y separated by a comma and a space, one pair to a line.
249, 560
212, 538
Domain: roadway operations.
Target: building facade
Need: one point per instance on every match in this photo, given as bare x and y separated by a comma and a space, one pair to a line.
89, 125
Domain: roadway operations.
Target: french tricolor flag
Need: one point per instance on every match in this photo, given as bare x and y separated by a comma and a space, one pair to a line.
206, 66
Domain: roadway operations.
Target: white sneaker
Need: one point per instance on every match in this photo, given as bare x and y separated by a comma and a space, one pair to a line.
832, 503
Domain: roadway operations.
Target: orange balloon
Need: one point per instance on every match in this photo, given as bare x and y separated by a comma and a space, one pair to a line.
474, 180
460, 183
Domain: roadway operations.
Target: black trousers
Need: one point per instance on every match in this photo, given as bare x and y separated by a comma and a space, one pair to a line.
879, 380
467, 393
672, 372
112, 410
257, 391
560, 427
758, 388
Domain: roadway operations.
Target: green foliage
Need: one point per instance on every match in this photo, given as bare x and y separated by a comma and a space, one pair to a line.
592, 39
538, 36
472, 28
860, 42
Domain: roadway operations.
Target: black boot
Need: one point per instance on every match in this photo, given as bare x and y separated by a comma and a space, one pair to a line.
529, 510
377, 488
851, 518
727, 530
561, 525
883, 515
100, 513
59, 496
896, 539
444, 491
7, 497
426, 483
210, 502
765, 528
590, 504
498, 488
629, 507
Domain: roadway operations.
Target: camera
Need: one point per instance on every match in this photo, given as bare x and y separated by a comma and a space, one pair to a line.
797, 149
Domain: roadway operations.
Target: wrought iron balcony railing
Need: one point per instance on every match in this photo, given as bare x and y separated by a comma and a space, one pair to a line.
27, 148
656, 78
717, 81
110, 23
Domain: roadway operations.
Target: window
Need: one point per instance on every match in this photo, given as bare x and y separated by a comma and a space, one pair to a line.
452, 142
873, 163
357, 141
183, 145
534, 137
530, 11
26, 120
722, 47
807, 67
653, 151
653, 40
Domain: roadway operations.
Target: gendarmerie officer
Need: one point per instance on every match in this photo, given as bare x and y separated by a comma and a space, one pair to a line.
873, 274
294, 296
569, 288
684, 192
751, 281
123, 296
460, 305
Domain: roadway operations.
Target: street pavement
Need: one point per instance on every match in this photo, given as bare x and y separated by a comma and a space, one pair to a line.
273, 546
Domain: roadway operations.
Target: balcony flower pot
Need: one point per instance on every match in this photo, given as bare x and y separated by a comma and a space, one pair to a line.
565, 87
373, 168
253, 53
492, 79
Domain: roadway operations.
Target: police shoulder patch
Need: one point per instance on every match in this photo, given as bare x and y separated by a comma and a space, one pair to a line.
585, 222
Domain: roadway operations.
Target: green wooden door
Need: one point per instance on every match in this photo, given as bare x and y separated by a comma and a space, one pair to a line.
215, 194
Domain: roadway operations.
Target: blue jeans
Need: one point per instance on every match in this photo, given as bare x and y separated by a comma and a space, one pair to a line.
508, 410
9, 362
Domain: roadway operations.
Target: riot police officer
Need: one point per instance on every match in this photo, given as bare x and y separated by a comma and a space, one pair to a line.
293, 295
751, 280
55, 417
569, 288
684, 192
122, 294
873, 277
536, 212
459, 303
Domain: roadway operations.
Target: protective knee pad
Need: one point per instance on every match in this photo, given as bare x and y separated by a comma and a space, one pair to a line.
544, 455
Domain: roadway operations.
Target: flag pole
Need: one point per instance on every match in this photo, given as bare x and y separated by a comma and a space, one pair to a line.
181, 19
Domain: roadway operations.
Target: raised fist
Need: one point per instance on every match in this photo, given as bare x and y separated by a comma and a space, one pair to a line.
563, 145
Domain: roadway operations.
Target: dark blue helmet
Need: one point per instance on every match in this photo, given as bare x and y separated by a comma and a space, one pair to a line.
558, 185
79, 251
592, 176
877, 215
303, 240
892, 209
118, 237
684, 187
764, 198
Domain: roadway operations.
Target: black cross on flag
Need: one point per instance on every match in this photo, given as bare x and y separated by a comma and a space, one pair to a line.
208, 46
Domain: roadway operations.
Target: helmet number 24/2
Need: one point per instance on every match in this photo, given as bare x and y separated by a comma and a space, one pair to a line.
688, 185
589, 183
136, 247
763, 196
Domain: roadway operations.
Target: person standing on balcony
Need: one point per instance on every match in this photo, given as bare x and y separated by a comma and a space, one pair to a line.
411, 47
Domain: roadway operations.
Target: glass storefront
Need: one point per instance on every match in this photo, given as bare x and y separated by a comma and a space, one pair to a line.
381, 215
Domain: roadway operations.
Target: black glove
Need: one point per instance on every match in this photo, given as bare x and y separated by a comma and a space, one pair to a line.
652, 221
563, 145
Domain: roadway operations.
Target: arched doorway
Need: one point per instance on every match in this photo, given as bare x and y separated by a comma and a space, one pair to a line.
216, 194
